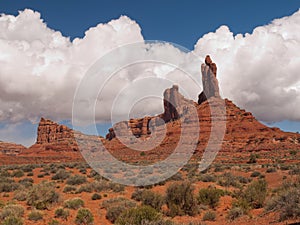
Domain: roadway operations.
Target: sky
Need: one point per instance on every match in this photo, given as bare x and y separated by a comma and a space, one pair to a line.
47, 46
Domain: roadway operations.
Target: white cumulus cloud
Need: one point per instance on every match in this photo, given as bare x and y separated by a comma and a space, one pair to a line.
40, 69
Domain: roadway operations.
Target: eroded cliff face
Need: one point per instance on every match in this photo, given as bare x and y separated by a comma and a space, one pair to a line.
51, 132
11, 149
175, 106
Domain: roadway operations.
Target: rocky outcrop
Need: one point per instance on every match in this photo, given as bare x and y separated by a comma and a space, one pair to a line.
209, 81
11, 149
175, 106
50, 132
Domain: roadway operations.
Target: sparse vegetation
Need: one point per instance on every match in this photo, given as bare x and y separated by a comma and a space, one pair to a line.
181, 200
74, 203
62, 213
139, 215
209, 216
35, 215
42, 196
84, 217
76, 180
116, 206
210, 196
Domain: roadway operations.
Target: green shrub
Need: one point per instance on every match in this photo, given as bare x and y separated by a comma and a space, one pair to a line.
287, 202
76, 180
84, 216
11, 210
255, 174
227, 180
152, 199
53, 222
85, 188
209, 216
271, 170
116, 187
42, 196
17, 173
74, 203
20, 194
69, 188
61, 174
12, 220
181, 200
61, 213
210, 196
116, 206
139, 215
253, 158
255, 193
35, 215
96, 196
8, 185
207, 178
235, 212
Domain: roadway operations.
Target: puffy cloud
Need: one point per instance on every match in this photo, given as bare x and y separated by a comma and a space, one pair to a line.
40, 69
259, 71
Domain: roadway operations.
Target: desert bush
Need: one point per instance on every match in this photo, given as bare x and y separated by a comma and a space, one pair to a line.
53, 222
35, 215
61, 213
61, 174
227, 180
12, 210
30, 174
85, 188
17, 173
253, 158
287, 202
243, 180
138, 215
116, 187
20, 194
152, 199
176, 177
210, 196
234, 213
207, 178
241, 203
96, 196
116, 206
8, 185
255, 193
74, 203
209, 216
181, 200
69, 188
42, 196
255, 174
84, 217
295, 171
76, 180
271, 170
12, 220
28, 168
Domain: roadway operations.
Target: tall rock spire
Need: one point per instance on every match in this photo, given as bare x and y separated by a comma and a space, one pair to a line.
209, 81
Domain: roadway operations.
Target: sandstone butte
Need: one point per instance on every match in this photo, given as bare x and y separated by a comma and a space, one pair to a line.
243, 134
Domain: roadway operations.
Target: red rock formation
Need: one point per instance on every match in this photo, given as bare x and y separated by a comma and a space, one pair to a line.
175, 105
11, 148
209, 81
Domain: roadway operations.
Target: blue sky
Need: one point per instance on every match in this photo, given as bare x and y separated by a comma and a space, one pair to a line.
180, 22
